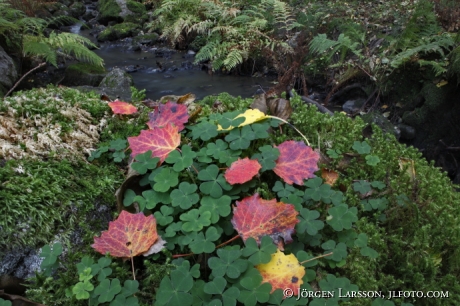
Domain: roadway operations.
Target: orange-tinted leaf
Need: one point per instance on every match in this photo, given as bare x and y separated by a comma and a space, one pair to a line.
129, 235
296, 162
123, 108
241, 171
160, 141
330, 176
168, 113
282, 272
255, 217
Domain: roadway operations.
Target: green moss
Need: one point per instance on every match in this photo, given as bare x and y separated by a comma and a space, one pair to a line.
126, 29
136, 7
86, 68
109, 9
153, 37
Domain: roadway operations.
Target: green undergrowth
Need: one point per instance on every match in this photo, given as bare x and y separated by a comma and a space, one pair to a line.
390, 220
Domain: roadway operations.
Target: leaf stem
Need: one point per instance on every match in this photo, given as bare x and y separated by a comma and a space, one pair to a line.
182, 255
282, 120
132, 266
228, 241
317, 257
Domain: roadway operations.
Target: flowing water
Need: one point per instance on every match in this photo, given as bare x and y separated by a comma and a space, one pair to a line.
179, 77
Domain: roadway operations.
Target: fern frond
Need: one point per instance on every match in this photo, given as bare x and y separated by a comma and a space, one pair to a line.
437, 67
34, 47
233, 59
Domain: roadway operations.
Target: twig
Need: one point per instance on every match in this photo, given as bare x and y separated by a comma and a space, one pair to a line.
228, 241
317, 257
22, 78
132, 266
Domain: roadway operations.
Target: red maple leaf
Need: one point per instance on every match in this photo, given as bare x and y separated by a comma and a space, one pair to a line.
123, 108
241, 171
296, 162
168, 113
255, 217
129, 235
160, 141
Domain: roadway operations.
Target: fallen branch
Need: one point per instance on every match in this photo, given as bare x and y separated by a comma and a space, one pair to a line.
22, 78
320, 107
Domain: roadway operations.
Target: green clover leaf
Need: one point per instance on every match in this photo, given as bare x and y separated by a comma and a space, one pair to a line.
228, 263
361, 242
107, 290
339, 251
267, 157
256, 291
181, 160
217, 286
144, 162
174, 290
130, 287
101, 268
219, 207
341, 217
283, 190
50, 257
229, 119
203, 157
152, 198
163, 216
204, 130
240, 138
202, 244
317, 190
118, 144
371, 204
308, 222
361, 147
378, 184
372, 160
128, 197
260, 130
333, 283
172, 229
213, 181
262, 255
86, 262
118, 156
121, 300
81, 290
334, 153
214, 149
194, 221
185, 196
362, 187
5, 302
165, 180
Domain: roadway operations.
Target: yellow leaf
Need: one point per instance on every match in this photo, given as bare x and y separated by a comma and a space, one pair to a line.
250, 115
442, 83
282, 272
409, 163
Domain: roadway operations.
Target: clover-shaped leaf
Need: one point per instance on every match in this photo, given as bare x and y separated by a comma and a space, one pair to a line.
81, 290
50, 256
260, 130
174, 290
163, 216
144, 162
102, 268
121, 300
256, 291
185, 196
339, 285
378, 184
334, 153
317, 190
107, 290
228, 263
339, 251
203, 243
214, 149
362, 187
361, 147
203, 157
152, 198
217, 286
219, 207
194, 221
283, 190
165, 180
372, 160
130, 287
181, 160
86, 262
213, 182
267, 157
240, 138
229, 120
204, 130
341, 217
259, 255
308, 222
172, 229
361, 242
379, 203
118, 144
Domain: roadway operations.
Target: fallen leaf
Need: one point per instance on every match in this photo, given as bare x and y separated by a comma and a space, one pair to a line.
280, 108
409, 163
160, 141
242, 171
250, 115
128, 236
255, 217
442, 83
330, 176
123, 108
156, 247
282, 272
168, 113
296, 162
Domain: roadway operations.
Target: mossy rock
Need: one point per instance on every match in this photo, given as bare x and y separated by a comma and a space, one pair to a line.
84, 74
109, 11
77, 9
146, 39
119, 31
136, 7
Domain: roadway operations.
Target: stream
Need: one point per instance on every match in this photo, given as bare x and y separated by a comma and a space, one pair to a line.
179, 77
